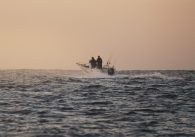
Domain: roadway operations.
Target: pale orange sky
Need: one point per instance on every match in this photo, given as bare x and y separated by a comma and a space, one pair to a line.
138, 34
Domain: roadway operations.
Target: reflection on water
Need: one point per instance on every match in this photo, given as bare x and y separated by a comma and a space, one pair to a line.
68, 103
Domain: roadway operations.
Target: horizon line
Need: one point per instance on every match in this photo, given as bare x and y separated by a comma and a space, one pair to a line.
41, 69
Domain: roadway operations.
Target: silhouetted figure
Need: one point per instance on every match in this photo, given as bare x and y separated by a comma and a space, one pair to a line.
99, 62
92, 62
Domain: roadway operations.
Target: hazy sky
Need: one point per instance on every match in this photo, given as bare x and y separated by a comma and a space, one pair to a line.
136, 34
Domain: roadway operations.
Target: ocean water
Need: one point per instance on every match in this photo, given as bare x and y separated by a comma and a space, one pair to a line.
43, 103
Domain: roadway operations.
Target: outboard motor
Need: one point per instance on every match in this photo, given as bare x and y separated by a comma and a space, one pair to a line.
111, 71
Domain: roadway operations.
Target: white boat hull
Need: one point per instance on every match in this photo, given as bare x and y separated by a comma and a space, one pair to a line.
106, 69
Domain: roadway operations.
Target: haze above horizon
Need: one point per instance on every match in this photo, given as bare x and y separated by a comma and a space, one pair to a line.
145, 34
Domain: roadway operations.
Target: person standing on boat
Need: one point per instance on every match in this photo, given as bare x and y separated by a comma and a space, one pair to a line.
99, 62
92, 62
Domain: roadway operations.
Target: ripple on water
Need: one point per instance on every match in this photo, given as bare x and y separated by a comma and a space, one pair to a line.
62, 103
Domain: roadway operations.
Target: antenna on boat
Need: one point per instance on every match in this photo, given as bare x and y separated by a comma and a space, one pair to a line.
109, 60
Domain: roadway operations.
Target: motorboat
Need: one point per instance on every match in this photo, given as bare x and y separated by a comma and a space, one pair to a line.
106, 69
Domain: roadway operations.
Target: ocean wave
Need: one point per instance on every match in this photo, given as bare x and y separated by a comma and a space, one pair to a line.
156, 75
69, 103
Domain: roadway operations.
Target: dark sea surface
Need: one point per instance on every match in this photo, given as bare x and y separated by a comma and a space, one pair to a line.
41, 103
